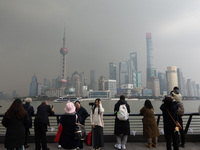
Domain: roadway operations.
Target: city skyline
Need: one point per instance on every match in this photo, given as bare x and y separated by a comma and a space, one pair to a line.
97, 32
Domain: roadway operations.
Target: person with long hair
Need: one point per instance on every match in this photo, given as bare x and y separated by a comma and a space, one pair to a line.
150, 128
169, 107
15, 120
96, 118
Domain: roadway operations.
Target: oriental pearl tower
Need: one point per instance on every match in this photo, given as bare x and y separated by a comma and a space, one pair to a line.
63, 52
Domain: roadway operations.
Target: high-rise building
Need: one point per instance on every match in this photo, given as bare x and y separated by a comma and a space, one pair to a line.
112, 71
111, 85
133, 69
163, 84
123, 73
102, 83
181, 83
139, 79
155, 86
92, 80
172, 78
189, 87
151, 71
34, 86
76, 83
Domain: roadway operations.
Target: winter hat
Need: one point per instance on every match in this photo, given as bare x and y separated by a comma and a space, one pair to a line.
28, 100
70, 108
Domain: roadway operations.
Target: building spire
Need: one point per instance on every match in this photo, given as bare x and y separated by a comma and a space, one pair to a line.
64, 38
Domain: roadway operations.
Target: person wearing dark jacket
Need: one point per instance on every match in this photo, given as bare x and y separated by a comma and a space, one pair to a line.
178, 97
170, 106
83, 115
122, 128
15, 120
67, 121
81, 111
40, 125
30, 111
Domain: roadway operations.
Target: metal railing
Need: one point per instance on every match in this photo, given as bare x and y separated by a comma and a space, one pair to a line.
191, 123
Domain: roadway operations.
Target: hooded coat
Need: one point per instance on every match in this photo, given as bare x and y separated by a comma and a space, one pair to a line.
150, 128
121, 127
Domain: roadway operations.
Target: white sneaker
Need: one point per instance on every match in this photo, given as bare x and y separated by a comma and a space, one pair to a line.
117, 146
123, 147
59, 146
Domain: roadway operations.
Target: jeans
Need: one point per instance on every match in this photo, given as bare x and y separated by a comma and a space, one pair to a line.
121, 140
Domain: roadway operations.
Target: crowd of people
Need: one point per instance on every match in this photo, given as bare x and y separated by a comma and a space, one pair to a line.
18, 121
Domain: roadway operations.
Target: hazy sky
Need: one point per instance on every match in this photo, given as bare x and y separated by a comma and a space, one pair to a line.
97, 32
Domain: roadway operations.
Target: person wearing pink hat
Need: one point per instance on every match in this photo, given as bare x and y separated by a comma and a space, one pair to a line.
67, 121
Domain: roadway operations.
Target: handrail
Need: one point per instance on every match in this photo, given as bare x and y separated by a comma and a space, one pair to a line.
135, 118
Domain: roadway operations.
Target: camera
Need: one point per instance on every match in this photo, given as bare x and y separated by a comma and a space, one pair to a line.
91, 104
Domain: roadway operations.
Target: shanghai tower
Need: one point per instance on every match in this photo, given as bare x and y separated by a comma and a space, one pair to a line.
151, 71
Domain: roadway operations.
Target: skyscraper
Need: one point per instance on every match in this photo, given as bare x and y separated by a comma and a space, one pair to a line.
151, 71
133, 69
172, 78
123, 73
112, 71
92, 80
163, 84
76, 83
34, 86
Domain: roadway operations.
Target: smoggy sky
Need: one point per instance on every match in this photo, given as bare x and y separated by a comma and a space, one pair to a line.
97, 32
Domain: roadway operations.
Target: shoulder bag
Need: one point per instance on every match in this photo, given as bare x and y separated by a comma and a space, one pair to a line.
80, 132
176, 122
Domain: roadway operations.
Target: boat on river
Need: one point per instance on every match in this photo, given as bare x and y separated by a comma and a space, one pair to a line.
66, 99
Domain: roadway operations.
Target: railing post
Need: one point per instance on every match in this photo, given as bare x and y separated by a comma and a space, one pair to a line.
188, 124
158, 120
57, 117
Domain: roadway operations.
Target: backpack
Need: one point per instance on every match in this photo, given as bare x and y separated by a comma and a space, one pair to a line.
122, 114
180, 111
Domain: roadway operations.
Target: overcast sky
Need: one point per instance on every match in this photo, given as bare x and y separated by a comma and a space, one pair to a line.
97, 32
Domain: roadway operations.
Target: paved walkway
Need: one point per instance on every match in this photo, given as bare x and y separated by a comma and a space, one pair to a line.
130, 146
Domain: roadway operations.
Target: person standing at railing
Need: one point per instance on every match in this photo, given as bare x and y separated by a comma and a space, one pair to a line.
96, 118
30, 111
178, 97
122, 126
150, 128
169, 107
15, 120
40, 125
83, 114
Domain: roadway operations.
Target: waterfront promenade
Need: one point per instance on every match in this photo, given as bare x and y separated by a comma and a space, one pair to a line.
130, 146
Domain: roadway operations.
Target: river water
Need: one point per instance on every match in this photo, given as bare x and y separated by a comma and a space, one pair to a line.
135, 105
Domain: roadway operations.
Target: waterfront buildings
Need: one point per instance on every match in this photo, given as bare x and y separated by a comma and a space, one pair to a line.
123, 73
172, 78
163, 83
112, 71
111, 85
92, 80
133, 69
151, 71
33, 87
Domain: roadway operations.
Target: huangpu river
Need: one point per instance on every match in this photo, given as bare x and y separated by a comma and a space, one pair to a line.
191, 106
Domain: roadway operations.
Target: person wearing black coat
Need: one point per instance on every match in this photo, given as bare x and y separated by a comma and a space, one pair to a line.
83, 115
67, 139
122, 128
30, 111
169, 125
15, 120
40, 125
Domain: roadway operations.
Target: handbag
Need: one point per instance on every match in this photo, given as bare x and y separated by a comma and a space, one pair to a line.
176, 122
80, 132
57, 138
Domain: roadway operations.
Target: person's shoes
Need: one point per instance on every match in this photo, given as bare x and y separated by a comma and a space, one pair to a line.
149, 145
59, 146
117, 146
154, 145
77, 148
123, 147
26, 146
